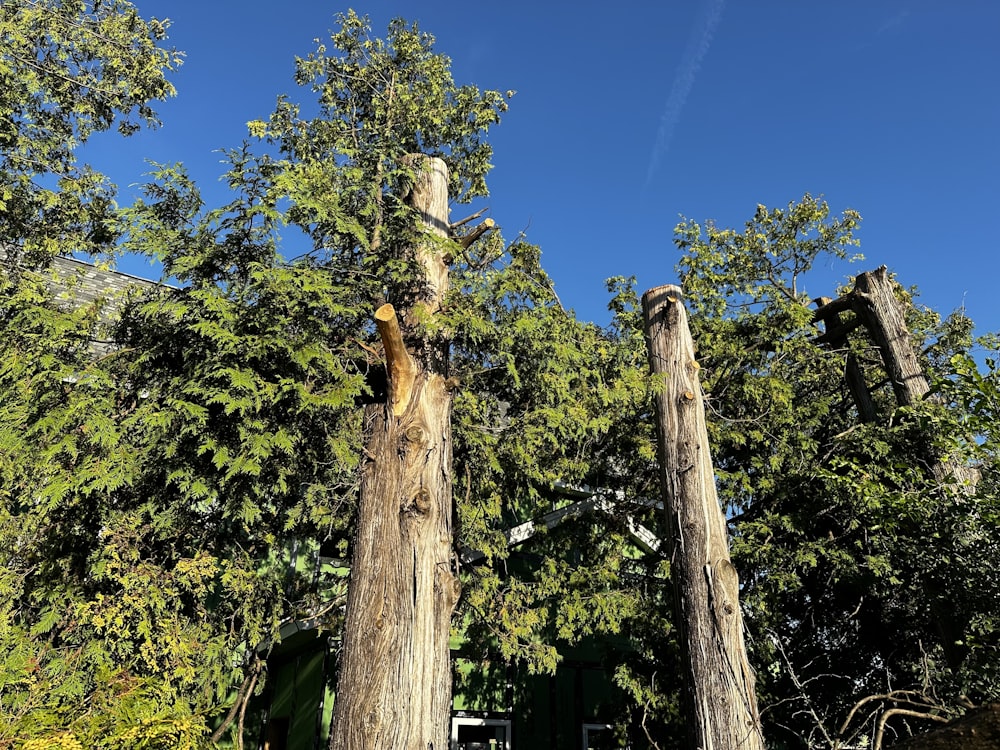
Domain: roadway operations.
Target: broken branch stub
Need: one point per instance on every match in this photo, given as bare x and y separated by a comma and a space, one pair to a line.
399, 365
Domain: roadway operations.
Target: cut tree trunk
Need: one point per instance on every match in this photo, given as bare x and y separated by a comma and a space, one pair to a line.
718, 681
876, 305
394, 687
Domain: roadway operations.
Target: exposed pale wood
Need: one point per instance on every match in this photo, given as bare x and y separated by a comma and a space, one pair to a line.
399, 364
721, 705
430, 197
394, 687
478, 231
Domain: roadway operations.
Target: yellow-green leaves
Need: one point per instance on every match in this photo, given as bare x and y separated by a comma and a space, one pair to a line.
71, 69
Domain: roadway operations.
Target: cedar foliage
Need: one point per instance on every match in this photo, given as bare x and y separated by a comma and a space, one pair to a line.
150, 494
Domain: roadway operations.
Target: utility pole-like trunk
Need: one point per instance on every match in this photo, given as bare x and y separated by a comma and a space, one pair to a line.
880, 311
394, 688
721, 705
875, 303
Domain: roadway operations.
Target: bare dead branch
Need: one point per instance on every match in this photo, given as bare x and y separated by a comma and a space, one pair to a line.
479, 230
467, 219
880, 729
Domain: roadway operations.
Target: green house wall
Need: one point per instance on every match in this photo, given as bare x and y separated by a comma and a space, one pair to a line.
544, 711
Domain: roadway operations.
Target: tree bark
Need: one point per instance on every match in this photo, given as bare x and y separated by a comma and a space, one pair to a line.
853, 372
394, 687
875, 303
718, 681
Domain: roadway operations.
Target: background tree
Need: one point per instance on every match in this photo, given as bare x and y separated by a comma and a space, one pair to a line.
69, 70
149, 492
837, 521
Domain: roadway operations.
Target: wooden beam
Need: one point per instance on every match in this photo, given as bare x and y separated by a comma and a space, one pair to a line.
884, 315
876, 305
826, 306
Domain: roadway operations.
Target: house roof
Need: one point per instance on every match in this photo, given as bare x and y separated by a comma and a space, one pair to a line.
83, 283
80, 283
76, 284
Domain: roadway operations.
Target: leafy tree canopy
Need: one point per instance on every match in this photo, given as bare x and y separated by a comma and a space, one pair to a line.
845, 536
149, 492
69, 70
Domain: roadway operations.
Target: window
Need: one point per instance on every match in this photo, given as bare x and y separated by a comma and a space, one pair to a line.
598, 737
480, 734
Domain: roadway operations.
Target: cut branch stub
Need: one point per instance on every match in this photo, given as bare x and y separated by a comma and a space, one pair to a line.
478, 231
398, 363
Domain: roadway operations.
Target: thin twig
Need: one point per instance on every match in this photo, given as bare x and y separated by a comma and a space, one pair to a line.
243, 708
467, 219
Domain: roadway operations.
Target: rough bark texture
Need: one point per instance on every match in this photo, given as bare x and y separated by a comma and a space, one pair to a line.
719, 684
977, 730
394, 688
853, 372
876, 305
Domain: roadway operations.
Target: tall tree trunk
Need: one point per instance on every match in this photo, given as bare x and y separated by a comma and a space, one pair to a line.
394, 689
882, 314
718, 682
876, 305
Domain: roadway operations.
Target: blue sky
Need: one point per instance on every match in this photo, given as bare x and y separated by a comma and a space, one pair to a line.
632, 113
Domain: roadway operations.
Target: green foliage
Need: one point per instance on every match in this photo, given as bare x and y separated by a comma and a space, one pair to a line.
160, 452
380, 100
147, 490
155, 734
544, 399
856, 557
725, 271
69, 70
347, 170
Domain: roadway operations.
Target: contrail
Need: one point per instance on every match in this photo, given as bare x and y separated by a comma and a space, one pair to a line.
697, 48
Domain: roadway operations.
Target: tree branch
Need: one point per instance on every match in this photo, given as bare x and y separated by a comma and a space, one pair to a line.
399, 364
880, 730
467, 219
